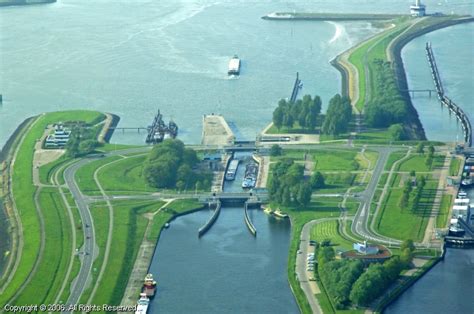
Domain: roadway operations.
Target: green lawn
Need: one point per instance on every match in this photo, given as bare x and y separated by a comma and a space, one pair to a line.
335, 160
442, 219
393, 158
454, 166
85, 175
330, 230
417, 163
46, 282
125, 175
405, 224
23, 192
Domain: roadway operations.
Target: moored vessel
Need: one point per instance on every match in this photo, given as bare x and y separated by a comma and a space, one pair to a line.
234, 66
149, 286
278, 213
142, 304
232, 170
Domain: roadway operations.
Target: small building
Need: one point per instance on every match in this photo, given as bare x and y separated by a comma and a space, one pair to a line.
368, 253
59, 138
418, 9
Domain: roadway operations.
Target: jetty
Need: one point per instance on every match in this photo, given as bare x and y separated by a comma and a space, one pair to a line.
158, 130
216, 131
330, 16
296, 88
445, 100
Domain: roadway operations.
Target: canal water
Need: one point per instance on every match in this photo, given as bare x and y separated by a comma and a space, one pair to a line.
227, 270
134, 57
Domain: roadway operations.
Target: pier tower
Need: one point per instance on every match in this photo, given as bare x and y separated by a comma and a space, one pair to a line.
418, 9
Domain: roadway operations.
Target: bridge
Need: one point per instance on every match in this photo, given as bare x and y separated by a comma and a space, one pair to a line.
251, 197
413, 91
445, 100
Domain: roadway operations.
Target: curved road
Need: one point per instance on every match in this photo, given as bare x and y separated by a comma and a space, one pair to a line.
87, 251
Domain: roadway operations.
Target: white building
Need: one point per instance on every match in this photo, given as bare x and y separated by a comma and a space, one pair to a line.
418, 9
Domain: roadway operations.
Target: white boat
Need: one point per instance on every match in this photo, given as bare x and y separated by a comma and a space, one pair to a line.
234, 66
142, 304
467, 182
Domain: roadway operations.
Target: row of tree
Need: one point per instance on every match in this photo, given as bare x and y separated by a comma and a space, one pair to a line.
386, 106
171, 165
305, 112
346, 281
378, 277
415, 194
287, 185
338, 116
82, 141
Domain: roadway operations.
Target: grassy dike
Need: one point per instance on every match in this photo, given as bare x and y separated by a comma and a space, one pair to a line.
23, 192
387, 46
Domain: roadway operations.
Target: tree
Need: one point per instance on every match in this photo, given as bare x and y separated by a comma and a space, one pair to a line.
87, 146
397, 132
420, 148
338, 116
275, 150
317, 180
278, 115
431, 149
304, 194
170, 165
408, 244
412, 173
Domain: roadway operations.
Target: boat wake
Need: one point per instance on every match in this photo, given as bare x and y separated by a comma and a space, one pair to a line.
338, 32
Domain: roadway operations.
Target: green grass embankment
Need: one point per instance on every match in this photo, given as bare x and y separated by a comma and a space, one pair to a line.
49, 276
49, 170
23, 193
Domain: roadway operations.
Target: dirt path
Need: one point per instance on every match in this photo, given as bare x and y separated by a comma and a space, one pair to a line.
142, 262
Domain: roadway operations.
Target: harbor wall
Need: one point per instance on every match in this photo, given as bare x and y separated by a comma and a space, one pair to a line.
344, 76
25, 2
211, 221
330, 16
248, 221
6, 150
111, 127
397, 292
400, 74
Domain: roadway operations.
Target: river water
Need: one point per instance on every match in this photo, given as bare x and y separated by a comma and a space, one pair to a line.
134, 57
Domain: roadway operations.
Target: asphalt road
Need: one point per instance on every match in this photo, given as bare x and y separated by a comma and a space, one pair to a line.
301, 262
86, 253
361, 218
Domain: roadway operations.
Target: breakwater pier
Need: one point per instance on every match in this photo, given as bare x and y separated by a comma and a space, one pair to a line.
445, 100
